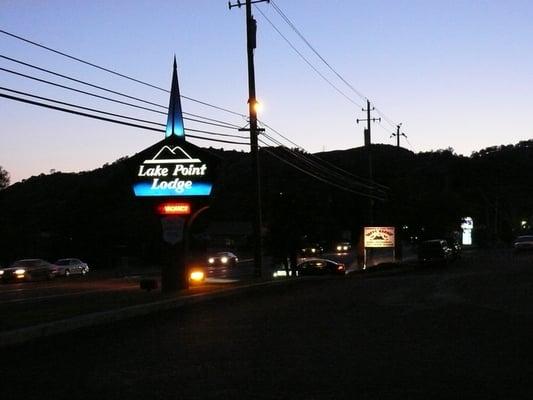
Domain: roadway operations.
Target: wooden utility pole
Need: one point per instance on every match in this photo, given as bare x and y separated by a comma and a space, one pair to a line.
368, 145
251, 30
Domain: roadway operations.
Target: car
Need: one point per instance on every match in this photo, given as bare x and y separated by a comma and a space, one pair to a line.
343, 247
456, 248
524, 242
311, 250
320, 266
28, 270
434, 251
223, 258
70, 266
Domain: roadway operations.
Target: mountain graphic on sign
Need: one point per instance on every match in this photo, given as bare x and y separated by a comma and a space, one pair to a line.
174, 155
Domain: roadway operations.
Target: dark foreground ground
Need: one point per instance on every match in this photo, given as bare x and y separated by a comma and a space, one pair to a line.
461, 332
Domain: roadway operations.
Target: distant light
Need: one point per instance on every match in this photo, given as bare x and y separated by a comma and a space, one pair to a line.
523, 223
173, 208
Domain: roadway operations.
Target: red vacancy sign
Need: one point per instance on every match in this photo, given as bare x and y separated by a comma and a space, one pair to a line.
379, 236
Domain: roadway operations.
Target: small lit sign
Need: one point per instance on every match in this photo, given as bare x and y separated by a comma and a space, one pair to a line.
172, 208
379, 236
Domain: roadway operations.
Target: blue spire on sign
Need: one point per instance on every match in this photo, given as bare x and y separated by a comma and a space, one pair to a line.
175, 117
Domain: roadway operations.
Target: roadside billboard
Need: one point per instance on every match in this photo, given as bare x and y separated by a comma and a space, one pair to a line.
379, 236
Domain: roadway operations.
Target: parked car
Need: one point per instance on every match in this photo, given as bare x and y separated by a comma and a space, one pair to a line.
223, 258
27, 270
524, 242
434, 251
70, 266
319, 266
456, 248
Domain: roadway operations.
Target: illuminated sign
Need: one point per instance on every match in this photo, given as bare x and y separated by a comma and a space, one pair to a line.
171, 208
467, 225
171, 172
379, 236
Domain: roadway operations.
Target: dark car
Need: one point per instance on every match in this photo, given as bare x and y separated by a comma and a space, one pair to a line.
69, 266
319, 266
455, 247
524, 242
223, 258
27, 270
311, 250
434, 251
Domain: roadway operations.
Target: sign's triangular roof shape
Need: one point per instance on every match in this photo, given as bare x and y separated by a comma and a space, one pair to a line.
175, 125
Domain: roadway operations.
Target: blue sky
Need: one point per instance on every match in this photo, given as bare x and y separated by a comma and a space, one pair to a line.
455, 73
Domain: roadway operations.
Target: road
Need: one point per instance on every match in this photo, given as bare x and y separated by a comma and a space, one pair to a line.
460, 332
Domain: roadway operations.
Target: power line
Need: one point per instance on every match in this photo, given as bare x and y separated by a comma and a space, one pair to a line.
329, 164
317, 177
115, 72
219, 123
320, 168
289, 22
110, 119
307, 61
313, 49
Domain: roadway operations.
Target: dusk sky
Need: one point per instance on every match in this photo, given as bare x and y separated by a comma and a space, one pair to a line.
456, 73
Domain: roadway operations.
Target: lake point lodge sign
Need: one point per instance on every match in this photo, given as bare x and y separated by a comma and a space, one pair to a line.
174, 167
172, 172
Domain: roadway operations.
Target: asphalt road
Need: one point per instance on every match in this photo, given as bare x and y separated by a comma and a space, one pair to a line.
461, 332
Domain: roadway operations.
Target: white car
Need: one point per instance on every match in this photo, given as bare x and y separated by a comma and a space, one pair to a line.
523, 242
222, 259
70, 266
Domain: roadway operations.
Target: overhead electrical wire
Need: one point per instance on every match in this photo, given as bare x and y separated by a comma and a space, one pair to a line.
19, 99
331, 165
319, 168
115, 72
307, 61
219, 123
313, 49
317, 177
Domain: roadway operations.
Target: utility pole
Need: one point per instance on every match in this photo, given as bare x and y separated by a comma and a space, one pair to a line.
251, 30
398, 134
368, 143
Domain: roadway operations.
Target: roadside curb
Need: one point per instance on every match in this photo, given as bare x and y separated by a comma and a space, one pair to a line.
22, 335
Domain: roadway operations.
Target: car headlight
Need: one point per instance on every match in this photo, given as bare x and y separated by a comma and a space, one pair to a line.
224, 260
1, 272
339, 248
197, 276
345, 248
211, 260
20, 272
313, 250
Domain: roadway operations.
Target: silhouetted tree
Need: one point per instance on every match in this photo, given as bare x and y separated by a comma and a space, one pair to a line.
4, 178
